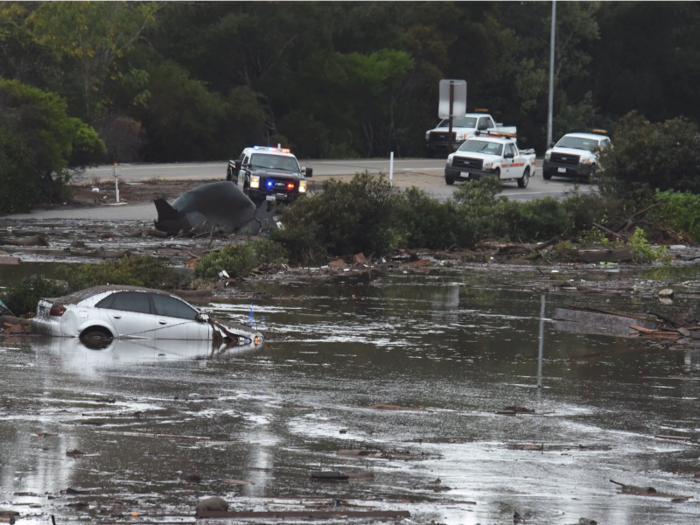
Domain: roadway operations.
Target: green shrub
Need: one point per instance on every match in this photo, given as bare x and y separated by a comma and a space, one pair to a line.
642, 252
647, 157
679, 211
137, 271
238, 260
424, 222
22, 296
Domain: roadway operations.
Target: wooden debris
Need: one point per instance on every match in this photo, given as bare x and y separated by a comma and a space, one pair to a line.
307, 514
329, 475
33, 240
238, 481
514, 411
10, 260
646, 491
384, 406
606, 255
598, 322
675, 438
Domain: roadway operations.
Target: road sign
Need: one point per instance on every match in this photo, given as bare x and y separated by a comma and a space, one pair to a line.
459, 98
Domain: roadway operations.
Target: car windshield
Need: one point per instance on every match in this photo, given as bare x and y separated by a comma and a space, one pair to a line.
482, 146
577, 143
275, 162
464, 122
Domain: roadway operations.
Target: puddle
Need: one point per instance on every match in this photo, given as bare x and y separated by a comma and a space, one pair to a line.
161, 426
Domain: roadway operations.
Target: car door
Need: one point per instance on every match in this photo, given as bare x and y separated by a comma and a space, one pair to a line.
242, 169
175, 319
130, 314
507, 170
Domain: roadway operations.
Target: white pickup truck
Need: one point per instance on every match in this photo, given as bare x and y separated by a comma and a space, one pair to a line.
462, 129
575, 155
491, 153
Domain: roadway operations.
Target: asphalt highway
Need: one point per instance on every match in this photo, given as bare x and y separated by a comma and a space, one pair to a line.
427, 174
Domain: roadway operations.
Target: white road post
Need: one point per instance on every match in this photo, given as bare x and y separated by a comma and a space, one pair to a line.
116, 181
391, 169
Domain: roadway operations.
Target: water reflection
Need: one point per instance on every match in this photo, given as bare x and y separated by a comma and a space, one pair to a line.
71, 355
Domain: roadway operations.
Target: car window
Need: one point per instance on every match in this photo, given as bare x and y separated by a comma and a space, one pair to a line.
510, 149
484, 123
458, 122
482, 146
275, 162
577, 143
127, 301
171, 307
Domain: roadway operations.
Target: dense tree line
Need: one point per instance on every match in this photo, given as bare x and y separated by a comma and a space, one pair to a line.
179, 81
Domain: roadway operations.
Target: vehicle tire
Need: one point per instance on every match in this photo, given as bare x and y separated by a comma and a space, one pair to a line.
96, 338
497, 173
523, 181
449, 182
546, 176
229, 175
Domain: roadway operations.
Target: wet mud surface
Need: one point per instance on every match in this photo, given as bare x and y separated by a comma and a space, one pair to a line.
441, 392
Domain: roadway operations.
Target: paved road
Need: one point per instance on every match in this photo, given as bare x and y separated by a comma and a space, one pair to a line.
428, 174
425, 173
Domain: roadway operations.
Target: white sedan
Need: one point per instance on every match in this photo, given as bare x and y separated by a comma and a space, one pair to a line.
131, 312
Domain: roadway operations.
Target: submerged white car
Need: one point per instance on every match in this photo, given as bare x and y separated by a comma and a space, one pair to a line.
131, 312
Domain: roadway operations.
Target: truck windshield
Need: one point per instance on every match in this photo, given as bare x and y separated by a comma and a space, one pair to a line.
464, 122
577, 143
275, 162
481, 146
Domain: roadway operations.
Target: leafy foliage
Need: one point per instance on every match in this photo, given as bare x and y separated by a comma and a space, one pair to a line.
21, 297
680, 211
50, 140
648, 156
238, 260
135, 271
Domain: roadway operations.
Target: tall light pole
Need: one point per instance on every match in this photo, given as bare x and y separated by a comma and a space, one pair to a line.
551, 73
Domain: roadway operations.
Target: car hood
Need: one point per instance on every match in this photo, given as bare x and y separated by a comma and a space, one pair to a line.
280, 174
571, 151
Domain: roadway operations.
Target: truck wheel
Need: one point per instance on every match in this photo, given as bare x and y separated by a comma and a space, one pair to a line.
449, 182
546, 175
229, 175
497, 173
522, 182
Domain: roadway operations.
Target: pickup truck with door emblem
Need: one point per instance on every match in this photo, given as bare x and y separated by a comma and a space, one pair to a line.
266, 173
463, 128
575, 156
494, 154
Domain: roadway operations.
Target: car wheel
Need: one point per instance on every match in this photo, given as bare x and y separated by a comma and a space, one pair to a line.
229, 174
96, 338
522, 182
497, 173
546, 176
449, 182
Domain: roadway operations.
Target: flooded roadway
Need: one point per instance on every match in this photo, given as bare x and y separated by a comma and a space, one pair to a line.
96, 436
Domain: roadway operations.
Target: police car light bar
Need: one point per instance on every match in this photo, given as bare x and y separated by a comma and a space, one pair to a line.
271, 149
502, 134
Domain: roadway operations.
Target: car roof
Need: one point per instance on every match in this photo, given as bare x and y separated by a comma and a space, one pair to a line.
81, 295
594, 136
264, 150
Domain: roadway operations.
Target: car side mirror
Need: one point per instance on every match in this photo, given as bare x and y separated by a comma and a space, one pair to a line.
551, 144
202, 318
308, 172
508, 156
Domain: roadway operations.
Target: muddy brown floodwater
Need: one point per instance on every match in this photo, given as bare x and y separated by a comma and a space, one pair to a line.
397, 383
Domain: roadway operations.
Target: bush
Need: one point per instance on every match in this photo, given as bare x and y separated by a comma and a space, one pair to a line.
346, 218
19, 186
21, 297
137, 271
680, 211
238, 260
647, 157
424, 222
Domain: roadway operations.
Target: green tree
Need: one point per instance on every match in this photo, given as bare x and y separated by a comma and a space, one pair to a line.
92, 36
50, 140
651, 156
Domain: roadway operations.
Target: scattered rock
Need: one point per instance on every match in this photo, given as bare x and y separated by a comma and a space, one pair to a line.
214, 504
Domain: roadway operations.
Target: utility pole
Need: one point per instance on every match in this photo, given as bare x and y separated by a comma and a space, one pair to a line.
551, 73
